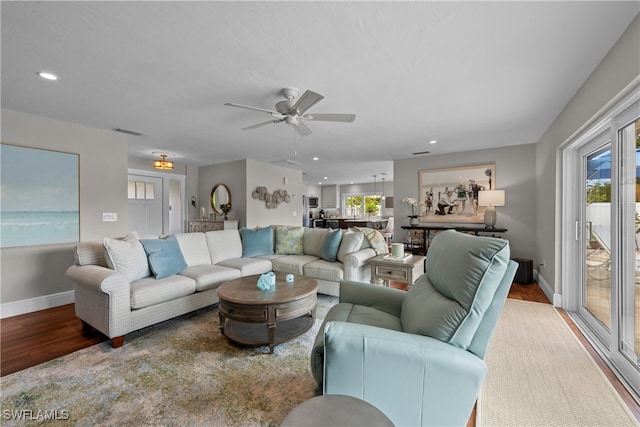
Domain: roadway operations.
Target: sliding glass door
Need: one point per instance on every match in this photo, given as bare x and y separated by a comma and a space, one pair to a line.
601, 244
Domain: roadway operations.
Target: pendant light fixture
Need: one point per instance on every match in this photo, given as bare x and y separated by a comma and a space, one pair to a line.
163, 163
374, 186
383, 196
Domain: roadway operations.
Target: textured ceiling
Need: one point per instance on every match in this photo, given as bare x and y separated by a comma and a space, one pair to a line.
471, 75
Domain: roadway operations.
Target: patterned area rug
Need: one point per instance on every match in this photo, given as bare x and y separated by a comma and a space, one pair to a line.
181, 372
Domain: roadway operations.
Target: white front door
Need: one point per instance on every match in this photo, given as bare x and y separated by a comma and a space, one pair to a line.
145, 205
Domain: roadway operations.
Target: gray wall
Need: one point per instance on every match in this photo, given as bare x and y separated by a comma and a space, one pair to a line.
234, 176
617, 70
39, 271
273, 177
514, 174
242, 177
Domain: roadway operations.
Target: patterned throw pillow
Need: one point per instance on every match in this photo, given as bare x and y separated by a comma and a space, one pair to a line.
289, 240
127, 256
375, 239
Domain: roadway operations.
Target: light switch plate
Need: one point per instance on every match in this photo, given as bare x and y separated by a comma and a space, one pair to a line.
109, 217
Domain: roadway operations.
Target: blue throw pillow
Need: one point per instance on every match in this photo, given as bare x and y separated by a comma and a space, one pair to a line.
165, 257
257, 242
330, 245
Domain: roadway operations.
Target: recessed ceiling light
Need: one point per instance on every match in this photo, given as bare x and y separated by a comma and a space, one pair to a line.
326, 177
315, 158
47, 76
433, 141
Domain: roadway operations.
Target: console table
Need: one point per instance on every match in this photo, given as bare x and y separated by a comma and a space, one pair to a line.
428, 229
204, 225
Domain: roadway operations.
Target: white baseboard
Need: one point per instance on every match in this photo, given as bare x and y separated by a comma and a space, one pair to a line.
556, 299
30, 305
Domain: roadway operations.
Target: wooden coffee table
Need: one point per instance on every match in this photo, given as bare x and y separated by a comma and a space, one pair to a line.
251, 317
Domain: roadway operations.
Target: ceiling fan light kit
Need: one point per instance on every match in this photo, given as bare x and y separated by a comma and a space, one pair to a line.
292, 111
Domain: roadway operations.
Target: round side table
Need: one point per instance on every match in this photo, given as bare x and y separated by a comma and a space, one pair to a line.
335, 410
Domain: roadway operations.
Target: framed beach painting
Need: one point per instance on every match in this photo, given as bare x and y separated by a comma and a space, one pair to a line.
451, 194
40, 197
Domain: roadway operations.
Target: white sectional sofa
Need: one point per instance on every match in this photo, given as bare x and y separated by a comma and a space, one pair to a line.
122, 285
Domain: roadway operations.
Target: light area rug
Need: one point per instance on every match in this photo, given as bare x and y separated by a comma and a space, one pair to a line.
181, 372
540, 375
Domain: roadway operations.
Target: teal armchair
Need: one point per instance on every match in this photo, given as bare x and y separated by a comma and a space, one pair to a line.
418, 355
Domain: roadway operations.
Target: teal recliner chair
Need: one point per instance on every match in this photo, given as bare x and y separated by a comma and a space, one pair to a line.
418, 355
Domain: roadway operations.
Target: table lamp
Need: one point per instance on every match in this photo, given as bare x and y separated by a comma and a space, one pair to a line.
490, 199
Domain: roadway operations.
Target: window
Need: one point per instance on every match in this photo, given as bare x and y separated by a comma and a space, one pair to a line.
358, 205
140, 190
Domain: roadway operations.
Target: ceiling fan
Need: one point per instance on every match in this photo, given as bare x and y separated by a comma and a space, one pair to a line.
293, 111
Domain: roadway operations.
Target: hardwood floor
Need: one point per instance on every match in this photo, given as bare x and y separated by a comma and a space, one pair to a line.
34, 338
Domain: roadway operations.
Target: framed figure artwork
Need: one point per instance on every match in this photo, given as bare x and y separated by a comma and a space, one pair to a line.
451, 194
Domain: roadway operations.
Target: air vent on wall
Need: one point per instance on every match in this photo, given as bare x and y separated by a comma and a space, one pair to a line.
420, 152
128, 132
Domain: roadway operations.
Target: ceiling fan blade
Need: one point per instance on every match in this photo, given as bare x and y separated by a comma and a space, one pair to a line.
301, 128
263, 124
347, 118
274, 113
306, 101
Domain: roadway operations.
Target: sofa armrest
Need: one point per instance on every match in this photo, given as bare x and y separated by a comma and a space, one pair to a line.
102, 298
359, 258
356, 261
384, 299
98, 278
413, 379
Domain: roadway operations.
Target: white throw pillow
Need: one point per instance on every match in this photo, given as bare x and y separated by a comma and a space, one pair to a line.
127, 256
350, 243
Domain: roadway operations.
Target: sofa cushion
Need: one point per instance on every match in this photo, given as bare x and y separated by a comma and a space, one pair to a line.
312, 240
330, 245
325, 270
289, 240
248, 266
210, 276
149, 291
351, 241
164, 255
447, 303
194, 248
224, 245
127, 256
293, 264
257, 242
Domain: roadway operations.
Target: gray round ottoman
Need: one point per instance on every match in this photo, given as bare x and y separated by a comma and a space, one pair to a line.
333, 410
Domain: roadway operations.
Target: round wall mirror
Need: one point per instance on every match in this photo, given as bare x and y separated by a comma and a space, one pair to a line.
219, 196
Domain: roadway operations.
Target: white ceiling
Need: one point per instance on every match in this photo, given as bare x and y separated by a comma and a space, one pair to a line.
471, 75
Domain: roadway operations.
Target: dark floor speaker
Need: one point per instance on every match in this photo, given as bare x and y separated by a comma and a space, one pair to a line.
524, 274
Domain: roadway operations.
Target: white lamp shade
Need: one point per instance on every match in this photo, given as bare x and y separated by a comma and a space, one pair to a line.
491, 198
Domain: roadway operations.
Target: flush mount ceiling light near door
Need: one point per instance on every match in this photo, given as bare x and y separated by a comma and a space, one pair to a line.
163, 163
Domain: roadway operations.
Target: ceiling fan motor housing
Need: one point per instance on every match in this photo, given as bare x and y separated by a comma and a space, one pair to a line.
284, 107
